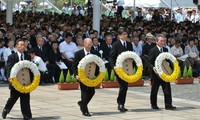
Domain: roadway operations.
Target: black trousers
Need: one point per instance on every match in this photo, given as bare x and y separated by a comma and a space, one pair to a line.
121, 99
24, 103
109, 68
86, 94
166, 87
69, 66
54, 71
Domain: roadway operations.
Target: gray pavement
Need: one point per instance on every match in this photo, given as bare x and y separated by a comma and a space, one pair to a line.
48, 103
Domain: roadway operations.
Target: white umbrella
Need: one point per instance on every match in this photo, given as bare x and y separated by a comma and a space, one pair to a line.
44, 4
23, 3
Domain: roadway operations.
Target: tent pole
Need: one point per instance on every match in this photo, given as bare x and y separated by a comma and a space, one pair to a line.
171, 10
134, 10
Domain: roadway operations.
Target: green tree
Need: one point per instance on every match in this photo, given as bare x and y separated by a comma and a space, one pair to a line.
112, 75
189, 72
106, 77
185, 72
68, 78
73, 79
61, 78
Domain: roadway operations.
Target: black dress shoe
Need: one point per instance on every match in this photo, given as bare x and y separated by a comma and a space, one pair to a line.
4, 114
170, 107
87, 114
155, 107
121, 108
80, 105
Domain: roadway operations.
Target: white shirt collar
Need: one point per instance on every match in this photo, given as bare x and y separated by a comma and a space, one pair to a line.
122, 42
85, 51
19, 55
159, 47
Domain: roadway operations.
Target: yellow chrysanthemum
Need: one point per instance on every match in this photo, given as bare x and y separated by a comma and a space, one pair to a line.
15, 83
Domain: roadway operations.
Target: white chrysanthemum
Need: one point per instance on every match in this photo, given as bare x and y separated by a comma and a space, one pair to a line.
128, 54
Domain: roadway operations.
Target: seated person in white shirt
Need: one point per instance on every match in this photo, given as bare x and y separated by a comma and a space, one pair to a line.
136, 46
177, 51
67, 49
79, 11
2, 62
10, 50
41, 66
193, 54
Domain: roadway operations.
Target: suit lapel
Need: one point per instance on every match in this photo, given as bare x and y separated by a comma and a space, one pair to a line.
16, 57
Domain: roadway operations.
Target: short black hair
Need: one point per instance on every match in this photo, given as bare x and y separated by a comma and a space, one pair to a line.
121, 30
191, 38
18, 40
31, 51
68, 34
54, 42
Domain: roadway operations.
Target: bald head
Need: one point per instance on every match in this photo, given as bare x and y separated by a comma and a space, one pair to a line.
87, 44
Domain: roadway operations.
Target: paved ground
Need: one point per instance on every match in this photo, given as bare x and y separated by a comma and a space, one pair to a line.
48, 103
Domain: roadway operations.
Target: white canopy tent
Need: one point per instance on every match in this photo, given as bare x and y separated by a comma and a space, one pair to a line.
161, 3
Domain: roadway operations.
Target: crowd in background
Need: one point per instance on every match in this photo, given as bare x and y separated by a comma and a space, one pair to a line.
56, 37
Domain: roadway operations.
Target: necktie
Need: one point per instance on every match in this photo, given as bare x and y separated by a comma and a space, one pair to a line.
21, 57
96, 48
124, 44
109, 47
12, 52
40, 48
88, 53
161, 50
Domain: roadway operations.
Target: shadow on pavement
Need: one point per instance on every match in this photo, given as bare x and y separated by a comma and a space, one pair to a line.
105, 113
39, 118
184, 108
151, 110
144, 110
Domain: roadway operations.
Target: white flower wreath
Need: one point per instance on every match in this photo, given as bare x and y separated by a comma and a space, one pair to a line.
81, 70
13, 76
119, 66
159, 70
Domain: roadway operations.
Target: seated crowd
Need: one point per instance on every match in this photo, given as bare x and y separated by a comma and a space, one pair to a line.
51, 39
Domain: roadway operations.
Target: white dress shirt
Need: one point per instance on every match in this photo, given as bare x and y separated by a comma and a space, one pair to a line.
176, 51
7, 52
68, 49
40, 63
120, 2
137, 49
19, 55
86, 52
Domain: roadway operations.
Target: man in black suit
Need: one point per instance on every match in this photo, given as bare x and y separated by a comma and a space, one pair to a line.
14, 94
156, 80
86, 92
117, 48
42, 51
106, 48
95, 46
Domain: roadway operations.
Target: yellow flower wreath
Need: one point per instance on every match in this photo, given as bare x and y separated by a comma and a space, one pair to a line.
13, 76
119, 69
81, 70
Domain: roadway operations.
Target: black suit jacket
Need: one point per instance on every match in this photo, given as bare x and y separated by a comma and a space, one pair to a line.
118, 48
54, 57
12, 59
78, 56
106, 50
92, 48
43, 54
153, 54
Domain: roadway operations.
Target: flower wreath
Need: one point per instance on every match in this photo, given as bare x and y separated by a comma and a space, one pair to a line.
119, 66
81, 70
158, 66
13, 76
